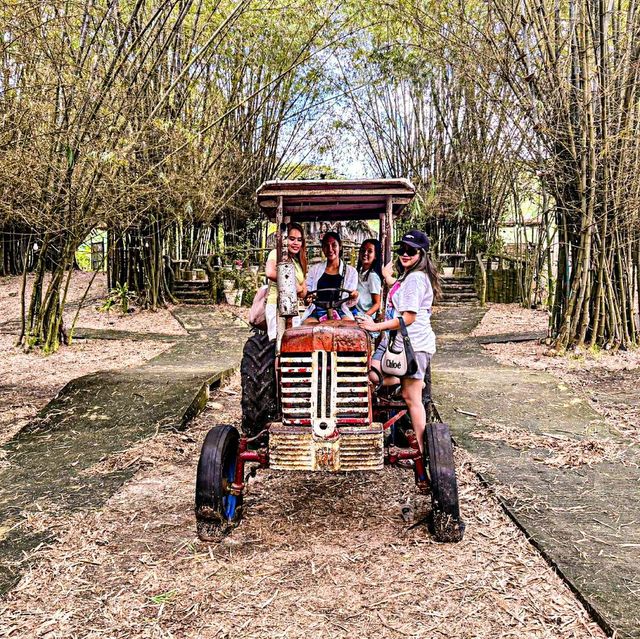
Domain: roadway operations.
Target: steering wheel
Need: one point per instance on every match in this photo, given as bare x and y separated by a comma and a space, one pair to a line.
342, 294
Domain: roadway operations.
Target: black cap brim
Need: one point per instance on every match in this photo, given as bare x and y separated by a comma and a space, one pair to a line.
409, 243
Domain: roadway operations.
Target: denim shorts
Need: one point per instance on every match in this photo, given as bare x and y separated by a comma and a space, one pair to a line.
322, 314
422, 357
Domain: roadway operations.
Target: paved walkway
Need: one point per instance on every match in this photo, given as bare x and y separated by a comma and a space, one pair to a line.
585, 520
104, 413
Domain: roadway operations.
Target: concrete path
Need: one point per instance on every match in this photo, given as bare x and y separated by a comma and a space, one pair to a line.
105, 413
584, 519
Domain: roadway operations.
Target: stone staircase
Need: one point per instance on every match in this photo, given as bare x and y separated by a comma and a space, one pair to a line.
458, 290
192, 292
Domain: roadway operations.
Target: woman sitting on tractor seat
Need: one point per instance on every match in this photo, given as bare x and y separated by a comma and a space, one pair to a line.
297, 249
334, 280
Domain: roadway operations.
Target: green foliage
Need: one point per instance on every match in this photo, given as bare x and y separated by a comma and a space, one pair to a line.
119, 296
309, 171
83, 257
243, 279
480, 244
164, 598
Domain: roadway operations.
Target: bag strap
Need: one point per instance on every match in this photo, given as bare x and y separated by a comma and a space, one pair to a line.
402, 329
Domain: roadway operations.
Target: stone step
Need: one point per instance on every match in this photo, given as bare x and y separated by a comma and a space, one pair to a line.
190, 287
189, 284
194, 294
452, 279
195, 300
458, 287
460, 296
462, 303
183, 297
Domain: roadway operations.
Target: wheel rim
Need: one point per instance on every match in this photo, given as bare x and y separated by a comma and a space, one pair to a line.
229, 501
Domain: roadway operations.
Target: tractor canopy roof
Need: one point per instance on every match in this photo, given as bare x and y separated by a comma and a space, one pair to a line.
331, 200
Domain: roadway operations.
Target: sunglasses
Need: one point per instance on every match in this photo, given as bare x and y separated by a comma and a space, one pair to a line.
406, 250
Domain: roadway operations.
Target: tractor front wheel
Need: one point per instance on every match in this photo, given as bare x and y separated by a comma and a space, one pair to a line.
218, 510
444, 522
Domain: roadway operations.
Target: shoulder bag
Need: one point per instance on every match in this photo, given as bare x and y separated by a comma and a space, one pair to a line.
257, 317
401, 362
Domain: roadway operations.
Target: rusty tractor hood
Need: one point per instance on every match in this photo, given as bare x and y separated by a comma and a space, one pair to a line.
332, 335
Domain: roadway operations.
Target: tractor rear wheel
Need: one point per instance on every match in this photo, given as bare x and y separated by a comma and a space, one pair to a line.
444, 522
217, 509
258, 378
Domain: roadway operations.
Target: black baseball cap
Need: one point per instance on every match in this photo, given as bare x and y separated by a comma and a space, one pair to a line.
415, 238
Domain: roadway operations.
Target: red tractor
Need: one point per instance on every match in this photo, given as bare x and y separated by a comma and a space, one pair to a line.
308, 403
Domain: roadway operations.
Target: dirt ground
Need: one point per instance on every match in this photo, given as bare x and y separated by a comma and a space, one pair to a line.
608, 380
29, 381
316, 556
91, 316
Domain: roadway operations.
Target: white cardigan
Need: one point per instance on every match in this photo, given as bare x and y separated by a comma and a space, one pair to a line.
350, 282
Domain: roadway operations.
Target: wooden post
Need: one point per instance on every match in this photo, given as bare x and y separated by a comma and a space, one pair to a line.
279, 229
388, 218
280, 321
383, 236
483, 280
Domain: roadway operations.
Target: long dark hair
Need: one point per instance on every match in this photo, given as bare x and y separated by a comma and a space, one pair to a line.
376, 267
426, 265
302, 256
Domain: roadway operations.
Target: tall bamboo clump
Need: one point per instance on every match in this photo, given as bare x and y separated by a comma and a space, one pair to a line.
76, 89
422, 111
136, 116
573, 70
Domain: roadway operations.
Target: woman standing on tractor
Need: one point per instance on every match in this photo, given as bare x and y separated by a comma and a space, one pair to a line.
297, 249
410, 296
334, 280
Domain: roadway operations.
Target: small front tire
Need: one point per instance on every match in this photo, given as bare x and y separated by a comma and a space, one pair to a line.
217, 509
444, 522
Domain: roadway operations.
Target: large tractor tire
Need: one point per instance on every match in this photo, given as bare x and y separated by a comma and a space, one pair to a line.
217, 510
258, 378
444, 523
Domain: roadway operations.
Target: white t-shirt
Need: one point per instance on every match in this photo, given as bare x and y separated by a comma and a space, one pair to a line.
366, 288
416, 296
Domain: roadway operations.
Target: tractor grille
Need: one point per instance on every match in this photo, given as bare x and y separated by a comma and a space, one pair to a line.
324, 386
355, 448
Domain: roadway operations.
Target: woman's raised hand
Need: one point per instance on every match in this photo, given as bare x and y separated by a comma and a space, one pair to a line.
387, 272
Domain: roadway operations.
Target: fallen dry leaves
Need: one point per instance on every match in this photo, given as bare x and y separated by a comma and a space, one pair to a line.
160, 321
317, 555
608, 380
29, 381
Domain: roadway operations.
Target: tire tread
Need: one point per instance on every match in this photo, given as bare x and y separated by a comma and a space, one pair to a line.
258, 378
